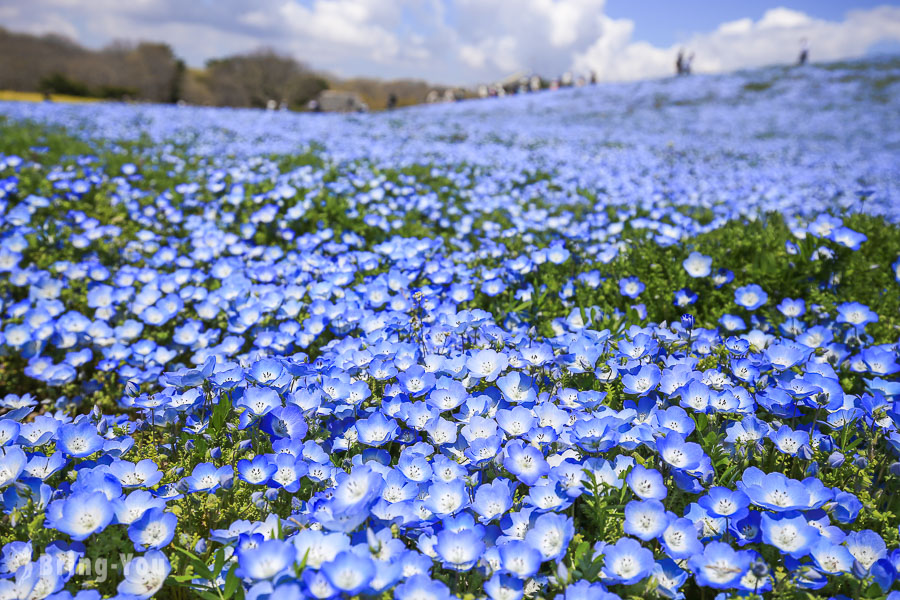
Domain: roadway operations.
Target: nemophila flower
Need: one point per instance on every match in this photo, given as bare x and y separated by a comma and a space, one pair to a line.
154, 530
132, 507
788, 440
723, 502
376, 430
684, 297
516, 421
519, 559
36, 580
459, 550
9, 432
856, 314
732, 323
285, 422
81, 514
881, 362
504, 587
414, 467
847, 237
207, 478
669, 577
791, 308
677, 452
421, 586
446, 498
416, 381
550, 534
447, 395
143, 473
256, 471
349, 572
789, 532
831, 558
642, 382
774, 491
626, 562
266, 560
258, 400
750, 296
13, 556
645, 519
525, 462
357, 489
487, 364
79, 440
784, 356
679, 540
867, 547
719, 566
288, 471
697, 265
12, 463
517, 387
145, 575
631, 287
492, 500
646, 483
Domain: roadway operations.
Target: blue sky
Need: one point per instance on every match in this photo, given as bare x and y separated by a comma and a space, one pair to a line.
668, 22
466, 42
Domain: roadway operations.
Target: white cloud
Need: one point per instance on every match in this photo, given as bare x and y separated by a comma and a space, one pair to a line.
452, 41
774, 38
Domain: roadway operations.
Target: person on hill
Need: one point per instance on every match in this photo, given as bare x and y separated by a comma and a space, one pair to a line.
804, 52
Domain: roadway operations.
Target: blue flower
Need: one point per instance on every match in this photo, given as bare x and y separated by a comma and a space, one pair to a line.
697, 265
256, 471
550, 534
627, 562
81, 514
642, 382
259, 401
349, 572
487, 364
459, 550
646, 519
679, 539
154, 530
719, 566
79, 440
677, 452
831, 558
266, 560
631, 287
525, 462
376, 430
774, 491
750, 296
493, 500
145, 575
207, 478
789, 532
12, 463
724, 502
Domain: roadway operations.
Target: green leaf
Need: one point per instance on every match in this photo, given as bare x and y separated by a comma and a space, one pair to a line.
231, 582
220, 561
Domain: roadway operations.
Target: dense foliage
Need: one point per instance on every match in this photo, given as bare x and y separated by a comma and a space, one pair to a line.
626, 341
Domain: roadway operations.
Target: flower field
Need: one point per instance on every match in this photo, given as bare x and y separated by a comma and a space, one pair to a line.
621, 341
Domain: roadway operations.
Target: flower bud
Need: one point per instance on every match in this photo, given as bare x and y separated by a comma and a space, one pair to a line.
835, 460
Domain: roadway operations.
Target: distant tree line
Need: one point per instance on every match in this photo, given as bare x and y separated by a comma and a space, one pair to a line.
150, 71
